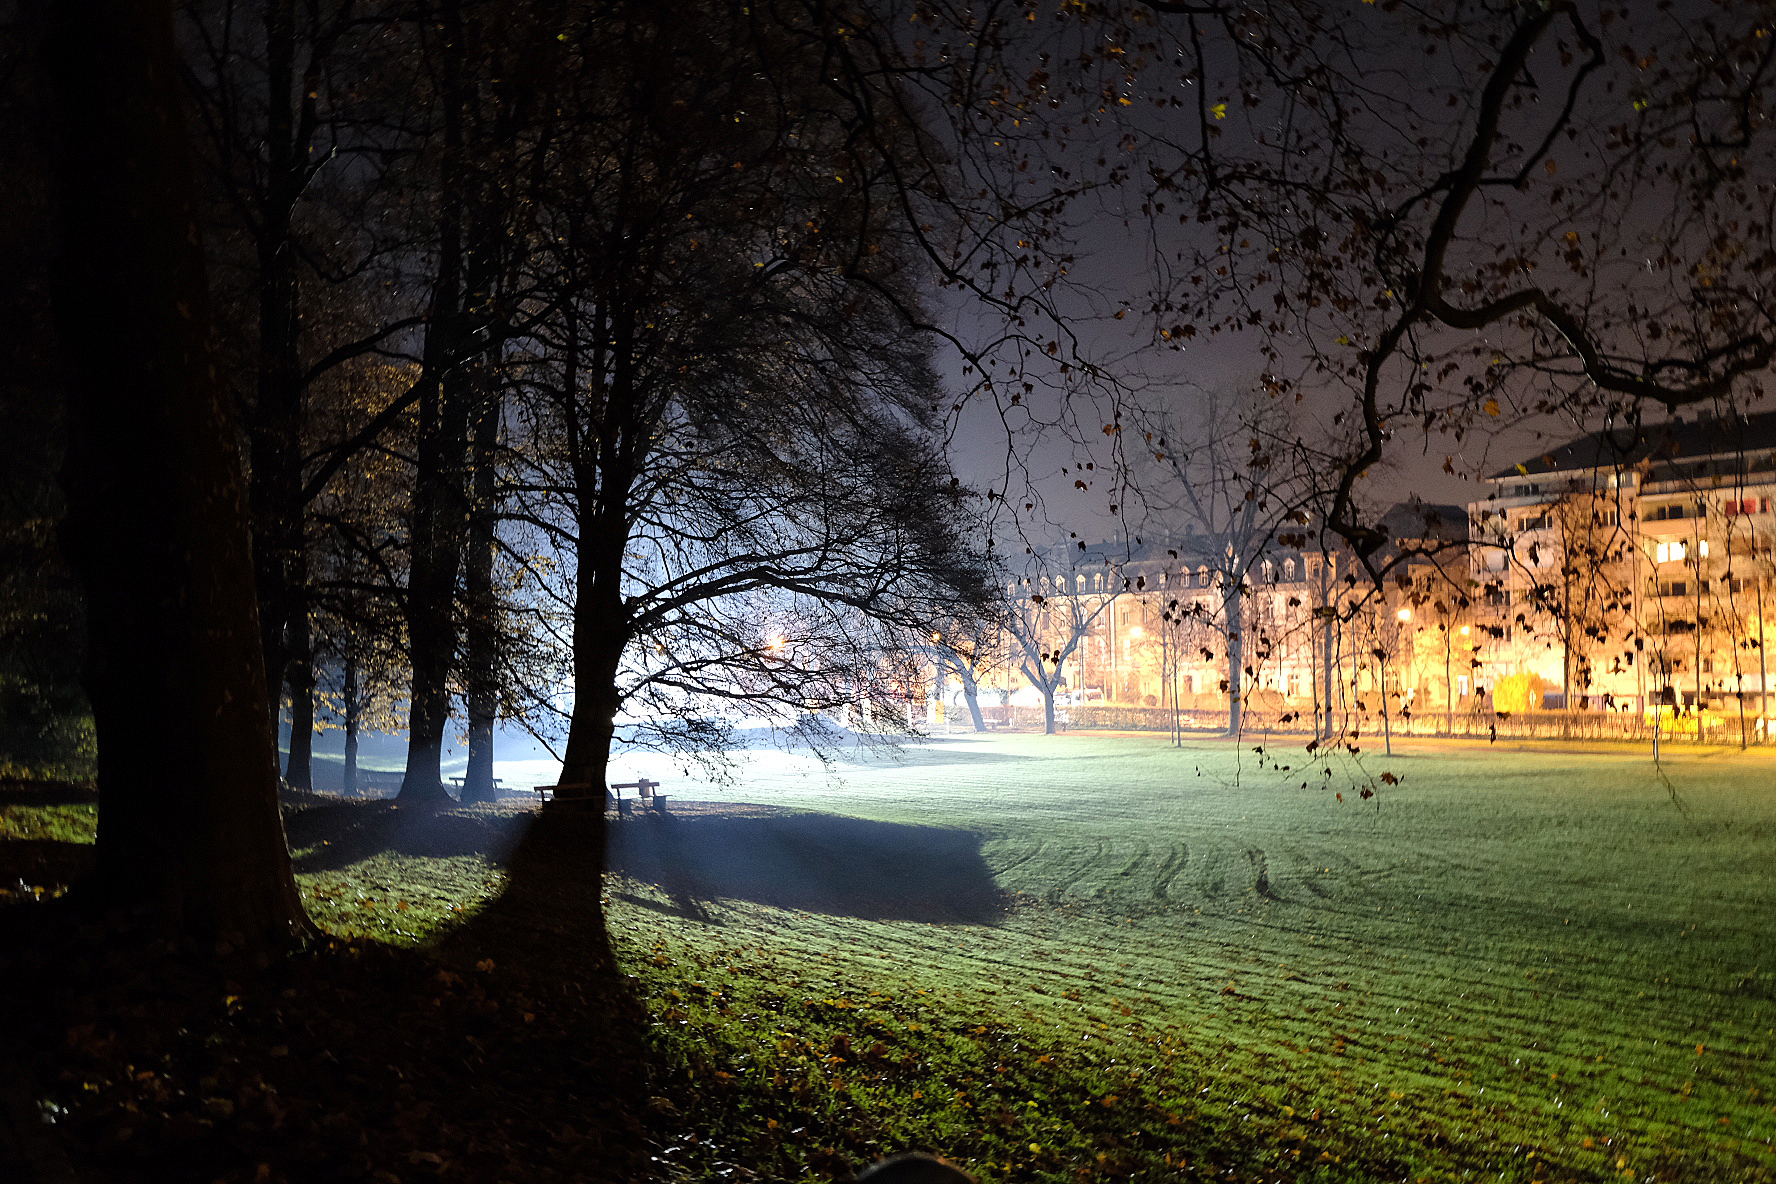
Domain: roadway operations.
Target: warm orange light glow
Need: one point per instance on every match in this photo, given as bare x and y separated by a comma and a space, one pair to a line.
1404, 614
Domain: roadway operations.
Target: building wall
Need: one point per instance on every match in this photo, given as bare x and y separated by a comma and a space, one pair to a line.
1617, 585
1310, 630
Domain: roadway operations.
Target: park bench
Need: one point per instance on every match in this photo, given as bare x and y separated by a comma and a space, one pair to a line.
376, 784
458, 782
645, 790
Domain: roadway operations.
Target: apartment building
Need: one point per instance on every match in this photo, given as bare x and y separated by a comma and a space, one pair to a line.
1630, 568
1297, 628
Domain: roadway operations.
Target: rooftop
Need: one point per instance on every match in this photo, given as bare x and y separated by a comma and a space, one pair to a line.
1676, 440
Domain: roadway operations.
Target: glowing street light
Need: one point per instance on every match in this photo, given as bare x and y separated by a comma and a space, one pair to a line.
1404, 614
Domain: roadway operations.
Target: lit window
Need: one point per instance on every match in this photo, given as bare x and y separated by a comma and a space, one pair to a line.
1701, 548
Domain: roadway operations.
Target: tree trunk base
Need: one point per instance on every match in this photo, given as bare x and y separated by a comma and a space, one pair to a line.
584, 804
423, 795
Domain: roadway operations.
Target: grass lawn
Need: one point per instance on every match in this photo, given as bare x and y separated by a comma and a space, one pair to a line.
1098, 957
1511, 964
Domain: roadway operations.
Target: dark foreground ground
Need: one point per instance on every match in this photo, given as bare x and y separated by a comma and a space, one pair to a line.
511, 1051
1057, 960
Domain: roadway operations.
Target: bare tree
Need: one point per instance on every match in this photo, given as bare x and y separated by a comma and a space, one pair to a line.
1222, 468
1052, 608
731, 424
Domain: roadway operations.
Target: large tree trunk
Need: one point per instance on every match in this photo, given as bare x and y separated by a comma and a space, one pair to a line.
598, 654
274, 425
600, 633
431, 590
157, 518
1048, 710
483, 640
299, 772
440, 510
592, 728
349, 782
604, 476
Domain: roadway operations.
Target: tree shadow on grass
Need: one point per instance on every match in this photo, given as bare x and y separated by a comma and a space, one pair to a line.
327, 837
821, 863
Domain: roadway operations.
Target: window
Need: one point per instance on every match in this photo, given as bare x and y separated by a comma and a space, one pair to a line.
1540, 522
1738, 584
1496, 595
1702, 549
1461, 686
1671, 552
1098, 581
1288, 569
1674, 588
1162, 579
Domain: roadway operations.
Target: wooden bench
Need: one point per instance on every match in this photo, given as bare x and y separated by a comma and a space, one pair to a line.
647, 791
